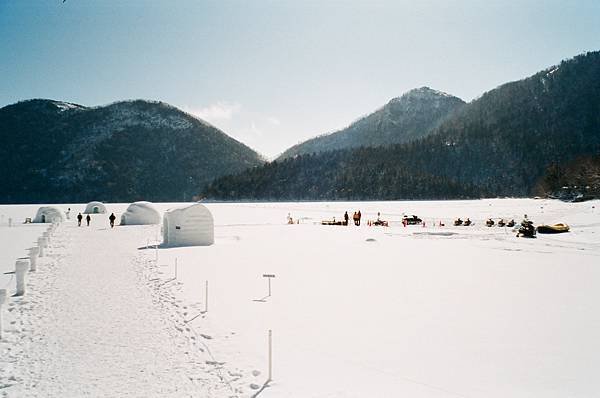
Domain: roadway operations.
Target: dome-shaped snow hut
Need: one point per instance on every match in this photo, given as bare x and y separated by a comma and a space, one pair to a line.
140, 213
95, 208
188, 226
48, 214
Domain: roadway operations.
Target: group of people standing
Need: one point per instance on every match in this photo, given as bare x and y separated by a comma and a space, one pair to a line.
355, 217
88, 218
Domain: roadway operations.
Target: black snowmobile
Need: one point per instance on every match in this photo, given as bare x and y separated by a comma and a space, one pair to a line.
501, 223
490, 222
527, 230
511, 224
458, 222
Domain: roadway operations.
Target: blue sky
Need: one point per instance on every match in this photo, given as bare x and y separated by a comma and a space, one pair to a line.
273, 73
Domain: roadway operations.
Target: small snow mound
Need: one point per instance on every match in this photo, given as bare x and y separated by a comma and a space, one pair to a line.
371, 240
435, 233
254, 386
256, 373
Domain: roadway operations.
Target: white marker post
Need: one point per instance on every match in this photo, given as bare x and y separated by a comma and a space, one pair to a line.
206, 297
269, 276
33, 255
2, 301
46, 235
270, 355
21, 268
41, 246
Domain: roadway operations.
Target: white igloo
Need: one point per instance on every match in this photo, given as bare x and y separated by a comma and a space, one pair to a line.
95, 208
140, 213
188, 226
48, 214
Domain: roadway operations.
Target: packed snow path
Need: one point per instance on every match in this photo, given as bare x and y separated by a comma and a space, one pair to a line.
90, 325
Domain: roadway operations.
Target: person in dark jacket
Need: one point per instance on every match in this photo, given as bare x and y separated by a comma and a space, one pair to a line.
79, 218
112, 220
359, 217
346, 218
88, 219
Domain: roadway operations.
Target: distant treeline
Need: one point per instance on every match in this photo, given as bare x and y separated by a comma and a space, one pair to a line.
579, 179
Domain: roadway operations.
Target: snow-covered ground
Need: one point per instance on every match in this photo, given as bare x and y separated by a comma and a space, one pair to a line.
355, 311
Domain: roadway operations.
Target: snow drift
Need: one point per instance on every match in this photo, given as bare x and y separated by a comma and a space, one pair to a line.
140, 213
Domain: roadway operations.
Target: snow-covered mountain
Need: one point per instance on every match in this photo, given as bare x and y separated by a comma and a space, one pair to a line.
59, 151
403, 119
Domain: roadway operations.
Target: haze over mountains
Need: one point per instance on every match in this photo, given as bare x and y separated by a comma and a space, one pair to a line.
404, 119
423, 144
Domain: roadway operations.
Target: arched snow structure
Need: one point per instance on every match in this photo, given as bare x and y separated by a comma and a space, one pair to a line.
140, 213
188, 226
95, 208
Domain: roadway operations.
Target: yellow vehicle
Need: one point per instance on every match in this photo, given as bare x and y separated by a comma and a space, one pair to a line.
553, 229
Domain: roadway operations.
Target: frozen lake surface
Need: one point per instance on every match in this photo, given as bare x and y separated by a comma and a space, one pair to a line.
355, 311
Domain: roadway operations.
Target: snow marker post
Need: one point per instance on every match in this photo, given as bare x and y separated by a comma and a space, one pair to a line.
46, 235
2, 301
41, 246
270, 355
33, 255
21, 268
269, 276
206, 297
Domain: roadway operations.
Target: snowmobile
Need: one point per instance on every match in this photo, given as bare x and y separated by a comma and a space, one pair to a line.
527, 230
501, 223
414, 220
490, 222
511, 224
378, 223
458, 222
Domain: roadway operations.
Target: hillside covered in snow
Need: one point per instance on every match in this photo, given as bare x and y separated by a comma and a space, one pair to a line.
58, 151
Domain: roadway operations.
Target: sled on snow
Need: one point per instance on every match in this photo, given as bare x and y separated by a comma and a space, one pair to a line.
553, 229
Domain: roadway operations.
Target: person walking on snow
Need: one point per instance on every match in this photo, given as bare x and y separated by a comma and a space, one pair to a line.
346, 217
79, 218
88, 219
112, 220
359, 217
